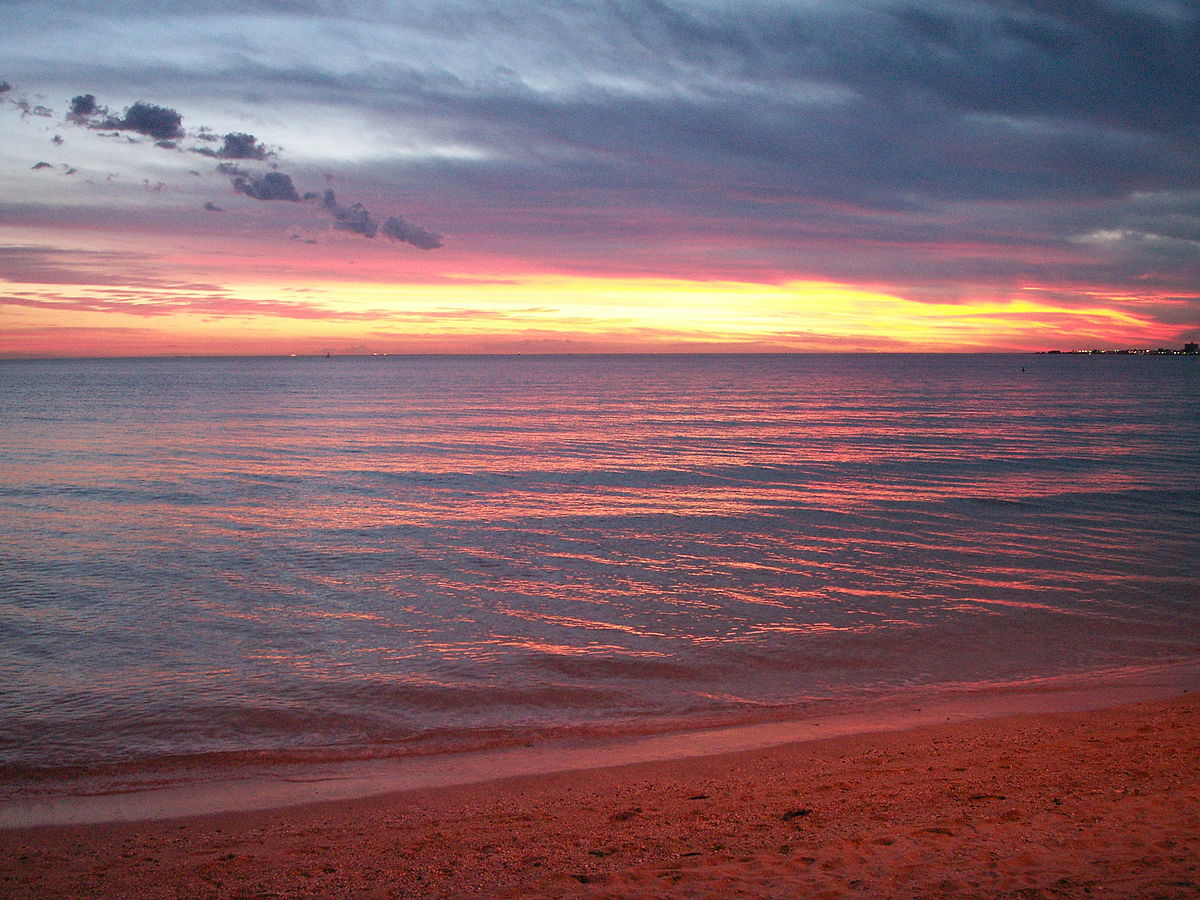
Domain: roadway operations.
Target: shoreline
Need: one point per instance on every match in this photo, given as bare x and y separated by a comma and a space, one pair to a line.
1033, 804
207, 786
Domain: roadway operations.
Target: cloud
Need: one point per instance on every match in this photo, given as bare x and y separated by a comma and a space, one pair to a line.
354, 218
5, 87
159, 122
933, 146
83, 108
233, 170
236, 145
217, 302
33, 109
162, 123
165, 125
358, 220
25, 264
212, 207
272, 186
66, 170
446, 313
398, 229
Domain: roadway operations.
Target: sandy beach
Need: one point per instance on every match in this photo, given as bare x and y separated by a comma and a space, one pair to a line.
1081, 804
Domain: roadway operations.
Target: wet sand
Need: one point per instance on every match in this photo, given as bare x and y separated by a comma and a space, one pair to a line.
1079, 804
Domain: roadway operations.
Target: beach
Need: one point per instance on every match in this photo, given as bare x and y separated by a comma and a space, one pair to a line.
1104, 802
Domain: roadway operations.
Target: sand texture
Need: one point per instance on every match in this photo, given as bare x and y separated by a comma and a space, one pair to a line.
1095, 804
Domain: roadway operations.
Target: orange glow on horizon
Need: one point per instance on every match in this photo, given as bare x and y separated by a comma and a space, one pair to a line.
550, 313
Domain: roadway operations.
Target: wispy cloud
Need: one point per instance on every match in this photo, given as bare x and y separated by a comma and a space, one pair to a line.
38, 265
161, 303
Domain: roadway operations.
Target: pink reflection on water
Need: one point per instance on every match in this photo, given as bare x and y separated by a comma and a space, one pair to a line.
393, 532
575, 622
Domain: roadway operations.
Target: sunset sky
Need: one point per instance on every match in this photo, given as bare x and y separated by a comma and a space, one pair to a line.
473, 176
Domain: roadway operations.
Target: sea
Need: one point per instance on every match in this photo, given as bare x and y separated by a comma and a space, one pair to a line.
376, 557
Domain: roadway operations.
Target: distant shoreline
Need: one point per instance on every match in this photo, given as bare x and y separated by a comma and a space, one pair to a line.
1186, 350
600, 354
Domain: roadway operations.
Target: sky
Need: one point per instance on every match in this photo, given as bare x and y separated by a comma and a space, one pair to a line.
356, 176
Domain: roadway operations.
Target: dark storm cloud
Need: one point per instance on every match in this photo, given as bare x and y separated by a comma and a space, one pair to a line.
272, 186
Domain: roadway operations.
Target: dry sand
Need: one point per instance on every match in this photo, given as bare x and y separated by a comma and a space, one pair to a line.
1088, 804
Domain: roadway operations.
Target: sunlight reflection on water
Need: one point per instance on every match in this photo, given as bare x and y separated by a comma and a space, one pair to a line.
209, 555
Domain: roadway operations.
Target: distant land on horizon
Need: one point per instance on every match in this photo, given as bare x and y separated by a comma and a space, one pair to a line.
1189, 349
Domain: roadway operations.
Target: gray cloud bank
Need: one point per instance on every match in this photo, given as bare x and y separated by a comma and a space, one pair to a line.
921, 144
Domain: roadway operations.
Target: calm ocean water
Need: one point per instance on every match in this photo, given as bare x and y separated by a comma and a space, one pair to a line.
390, 555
